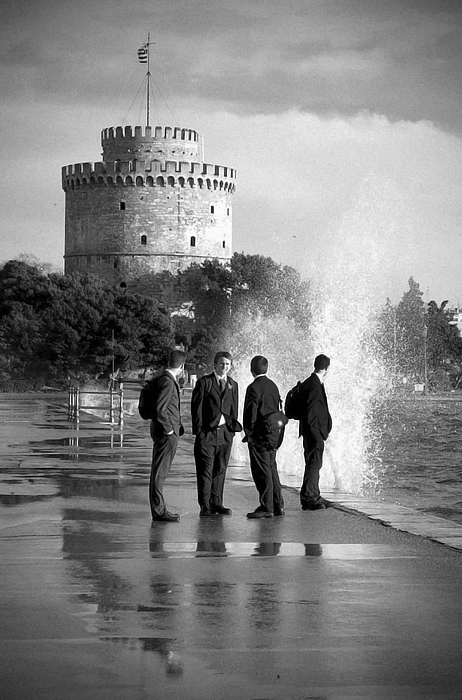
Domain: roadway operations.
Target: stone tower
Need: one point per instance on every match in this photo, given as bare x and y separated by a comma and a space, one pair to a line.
151, 204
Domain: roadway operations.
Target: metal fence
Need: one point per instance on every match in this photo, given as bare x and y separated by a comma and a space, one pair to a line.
114, 404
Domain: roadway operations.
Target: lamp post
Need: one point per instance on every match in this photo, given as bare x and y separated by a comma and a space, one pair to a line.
425, 333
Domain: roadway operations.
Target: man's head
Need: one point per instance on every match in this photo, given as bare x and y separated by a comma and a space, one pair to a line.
175, 361
258, 365
321, 364
222, 363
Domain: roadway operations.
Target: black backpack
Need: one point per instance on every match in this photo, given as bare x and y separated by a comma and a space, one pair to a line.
293, 407
273, 429
146, 400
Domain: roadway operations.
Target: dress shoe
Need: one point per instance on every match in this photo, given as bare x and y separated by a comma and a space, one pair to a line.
313, 506
258, 513
167, 517
278, 512
221, 510
205, 512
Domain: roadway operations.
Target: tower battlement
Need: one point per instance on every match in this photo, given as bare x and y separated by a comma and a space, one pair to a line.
166, 142
147, 173
149, 133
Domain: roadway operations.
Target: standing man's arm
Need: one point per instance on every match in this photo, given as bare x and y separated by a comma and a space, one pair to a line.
250, 410
235, 403
165, 389
196, 406
312, 407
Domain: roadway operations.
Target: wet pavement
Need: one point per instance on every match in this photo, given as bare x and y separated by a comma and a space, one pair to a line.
98, 602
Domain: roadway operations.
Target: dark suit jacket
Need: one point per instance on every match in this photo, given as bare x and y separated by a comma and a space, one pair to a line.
261, 398
166, 406
208, 404
316, 418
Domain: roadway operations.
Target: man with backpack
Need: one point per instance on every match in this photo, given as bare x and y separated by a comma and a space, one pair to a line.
262, 400
214, 409
160, 401
315, 426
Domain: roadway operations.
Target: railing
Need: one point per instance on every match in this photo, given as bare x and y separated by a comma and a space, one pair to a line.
115, 403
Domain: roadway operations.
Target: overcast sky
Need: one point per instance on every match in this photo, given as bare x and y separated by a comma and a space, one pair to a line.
342, 117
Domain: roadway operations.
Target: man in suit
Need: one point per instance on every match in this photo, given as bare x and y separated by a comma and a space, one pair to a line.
165, 430
315, 426
214, 409
262, 398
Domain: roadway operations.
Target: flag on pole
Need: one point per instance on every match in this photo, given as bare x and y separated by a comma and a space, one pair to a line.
143, 53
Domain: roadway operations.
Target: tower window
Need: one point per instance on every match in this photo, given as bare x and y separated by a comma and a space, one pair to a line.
224, 244
144, 240
115, 265
192, 242
212, 209
227, 212
122, 206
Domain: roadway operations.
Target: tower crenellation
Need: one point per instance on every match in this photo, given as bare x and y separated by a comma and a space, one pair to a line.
151, 204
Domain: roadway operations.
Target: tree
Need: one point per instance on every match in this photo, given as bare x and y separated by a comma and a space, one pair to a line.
410, 331
444, 345
216, 296
57, 326
418, 341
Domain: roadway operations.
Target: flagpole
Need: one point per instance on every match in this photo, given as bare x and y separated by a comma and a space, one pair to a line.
148, 80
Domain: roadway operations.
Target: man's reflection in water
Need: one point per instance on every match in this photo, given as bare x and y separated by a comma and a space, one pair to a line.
211, 547
264, 607
173, 661
267, 549
210, 535
163, 648
313, 550
215, 602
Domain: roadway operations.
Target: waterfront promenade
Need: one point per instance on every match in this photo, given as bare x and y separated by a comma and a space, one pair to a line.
99, 603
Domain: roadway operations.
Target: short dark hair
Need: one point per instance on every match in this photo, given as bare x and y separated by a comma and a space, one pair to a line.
220, 354
176, 358
321, 362
259, 365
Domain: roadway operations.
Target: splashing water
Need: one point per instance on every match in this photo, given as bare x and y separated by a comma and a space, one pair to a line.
343, 304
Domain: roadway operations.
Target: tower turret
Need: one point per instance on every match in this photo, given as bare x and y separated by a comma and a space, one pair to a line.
151, 204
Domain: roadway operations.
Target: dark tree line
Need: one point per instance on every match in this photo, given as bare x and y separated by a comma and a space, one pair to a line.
419, 342
54, 326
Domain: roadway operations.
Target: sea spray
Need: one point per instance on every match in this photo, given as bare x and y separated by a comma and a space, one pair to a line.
343, 302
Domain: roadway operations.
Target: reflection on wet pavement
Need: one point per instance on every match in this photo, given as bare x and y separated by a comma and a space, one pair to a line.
99, 602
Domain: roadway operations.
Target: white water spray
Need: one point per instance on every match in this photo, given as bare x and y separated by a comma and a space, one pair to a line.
344, 301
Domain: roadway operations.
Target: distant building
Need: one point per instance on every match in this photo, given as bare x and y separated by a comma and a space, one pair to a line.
455, 317
151, 204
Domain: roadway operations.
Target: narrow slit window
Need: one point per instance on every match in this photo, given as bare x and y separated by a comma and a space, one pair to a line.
193, 242
212, 209
224, 244
122, 206
144, 240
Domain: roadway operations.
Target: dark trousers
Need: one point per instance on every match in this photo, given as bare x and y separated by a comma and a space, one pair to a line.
265, 475
211, 464
313, 449
163, 452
